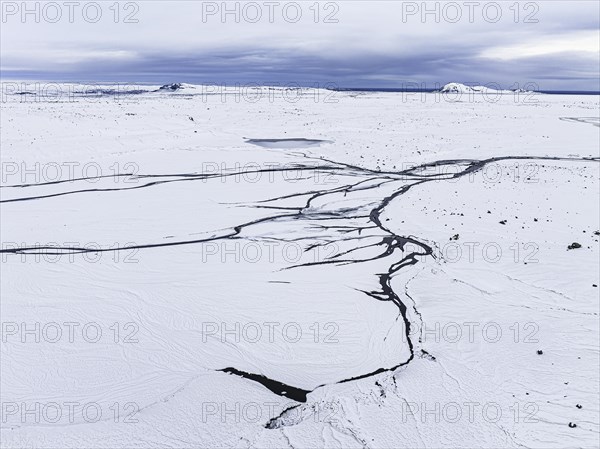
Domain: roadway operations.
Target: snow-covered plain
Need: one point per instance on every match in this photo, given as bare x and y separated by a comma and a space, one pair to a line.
395, 267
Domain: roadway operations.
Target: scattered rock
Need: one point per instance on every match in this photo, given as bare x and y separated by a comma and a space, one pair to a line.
427, 355
454, 237
503, 222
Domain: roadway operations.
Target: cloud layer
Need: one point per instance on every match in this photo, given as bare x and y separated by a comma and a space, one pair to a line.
346, 43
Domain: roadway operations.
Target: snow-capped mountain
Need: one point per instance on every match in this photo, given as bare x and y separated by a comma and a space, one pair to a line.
464, 89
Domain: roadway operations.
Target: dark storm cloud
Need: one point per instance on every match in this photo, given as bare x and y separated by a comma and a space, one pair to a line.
431, 68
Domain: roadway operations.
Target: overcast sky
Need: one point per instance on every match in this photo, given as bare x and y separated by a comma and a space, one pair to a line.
554, 44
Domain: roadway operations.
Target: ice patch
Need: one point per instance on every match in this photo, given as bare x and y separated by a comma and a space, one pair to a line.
287, 143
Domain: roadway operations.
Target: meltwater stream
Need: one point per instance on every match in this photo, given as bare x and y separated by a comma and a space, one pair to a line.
390, 242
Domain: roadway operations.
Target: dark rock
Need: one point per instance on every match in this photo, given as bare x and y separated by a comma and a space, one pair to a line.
540, 352
574, 245
174, 86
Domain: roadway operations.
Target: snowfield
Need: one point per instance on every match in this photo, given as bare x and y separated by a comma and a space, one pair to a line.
191, 266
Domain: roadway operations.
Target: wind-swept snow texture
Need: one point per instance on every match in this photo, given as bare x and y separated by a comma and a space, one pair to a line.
345, 270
